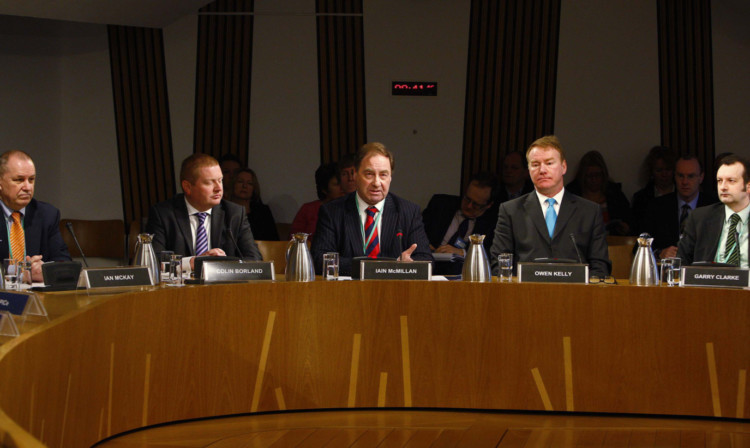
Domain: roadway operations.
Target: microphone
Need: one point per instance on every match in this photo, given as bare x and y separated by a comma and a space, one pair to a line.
575, 245
400, 236
231, 237
69, 225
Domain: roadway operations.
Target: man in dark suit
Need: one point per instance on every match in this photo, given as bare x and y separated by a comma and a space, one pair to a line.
37, 223
199, 222
719, 232
550, 222
515, 178
667, 214
449, 220
370, 221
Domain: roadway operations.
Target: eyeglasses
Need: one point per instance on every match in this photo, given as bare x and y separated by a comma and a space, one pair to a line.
608, 280
473, 203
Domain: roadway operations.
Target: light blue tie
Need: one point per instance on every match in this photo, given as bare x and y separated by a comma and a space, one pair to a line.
201, 238
551, 216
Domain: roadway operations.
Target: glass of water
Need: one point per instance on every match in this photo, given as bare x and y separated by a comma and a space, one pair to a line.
175, 270
165, 261
505, 267
9, 274
331, 266
670, 271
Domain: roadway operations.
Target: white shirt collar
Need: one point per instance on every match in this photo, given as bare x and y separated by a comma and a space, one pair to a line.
543, 199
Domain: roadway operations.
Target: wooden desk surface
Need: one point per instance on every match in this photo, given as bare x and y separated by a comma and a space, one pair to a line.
107, 364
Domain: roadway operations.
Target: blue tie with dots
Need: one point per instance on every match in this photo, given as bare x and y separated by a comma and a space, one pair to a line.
551, 217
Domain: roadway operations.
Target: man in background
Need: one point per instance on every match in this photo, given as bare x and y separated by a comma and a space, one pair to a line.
515, 177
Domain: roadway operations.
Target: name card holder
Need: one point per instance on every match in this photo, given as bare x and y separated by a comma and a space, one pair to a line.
237, 271
18, 304
8, 326
722, 277
126, 277
395, 270
553, 272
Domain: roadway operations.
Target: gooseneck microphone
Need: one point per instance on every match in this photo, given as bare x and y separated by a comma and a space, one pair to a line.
400, 236
69, 225
231, 237
575, 245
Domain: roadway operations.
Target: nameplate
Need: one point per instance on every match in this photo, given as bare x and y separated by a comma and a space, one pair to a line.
395, 270
13, 302
116, 277
236, 271
725, 277
553, 272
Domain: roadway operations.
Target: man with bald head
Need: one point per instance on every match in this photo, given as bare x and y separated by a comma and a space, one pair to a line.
31, 228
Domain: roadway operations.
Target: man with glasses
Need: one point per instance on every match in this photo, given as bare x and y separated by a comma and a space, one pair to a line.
449, 219
549, 222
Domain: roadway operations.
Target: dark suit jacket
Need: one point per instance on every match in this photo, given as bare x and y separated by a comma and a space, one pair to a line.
41, 226
438, 215
502, 193
169, 222
339, 229
702, 233
662, 220
521, 229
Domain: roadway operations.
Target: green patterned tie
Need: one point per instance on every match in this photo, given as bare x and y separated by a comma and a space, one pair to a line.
732, 248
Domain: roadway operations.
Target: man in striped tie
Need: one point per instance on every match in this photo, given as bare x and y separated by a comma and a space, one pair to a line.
199, 222
719, 232
31, 228
370, 221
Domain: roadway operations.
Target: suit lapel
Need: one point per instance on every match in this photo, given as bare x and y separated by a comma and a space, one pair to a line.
388, 229
217, 225
567, 210
534, 212
183, 222
715, 227
353, 223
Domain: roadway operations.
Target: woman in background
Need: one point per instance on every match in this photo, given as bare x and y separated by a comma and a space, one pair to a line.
328, 187
246, 192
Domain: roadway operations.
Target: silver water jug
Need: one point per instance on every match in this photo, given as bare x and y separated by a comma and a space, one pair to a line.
643, 270
476, 264
145, 256
299, 264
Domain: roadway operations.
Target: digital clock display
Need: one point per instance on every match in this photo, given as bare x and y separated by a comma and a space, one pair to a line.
413, 88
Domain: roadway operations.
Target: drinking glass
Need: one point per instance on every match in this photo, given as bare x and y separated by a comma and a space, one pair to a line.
175, 271
670, 271
9, 274
331, 266
23, 273
165, 264
505, 267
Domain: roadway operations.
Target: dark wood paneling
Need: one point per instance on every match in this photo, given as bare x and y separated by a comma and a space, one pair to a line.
144, 138
511, 77
686, 78
223, 75
341, 77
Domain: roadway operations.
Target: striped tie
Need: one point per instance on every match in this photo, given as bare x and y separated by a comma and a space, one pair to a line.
17, 238
371, 233
201, 238
732, 248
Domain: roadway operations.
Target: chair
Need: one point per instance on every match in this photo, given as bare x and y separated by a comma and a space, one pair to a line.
133, 231
283, 228
274, 251
621, 254
102, 241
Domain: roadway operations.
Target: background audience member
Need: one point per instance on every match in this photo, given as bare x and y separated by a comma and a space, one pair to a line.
592, 182
230, 166
328, 188
348, 173
515, 177
658, 168
246, 192
666, 214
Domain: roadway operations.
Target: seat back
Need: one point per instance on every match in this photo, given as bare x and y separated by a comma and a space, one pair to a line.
98, 239
621, 254
274, 251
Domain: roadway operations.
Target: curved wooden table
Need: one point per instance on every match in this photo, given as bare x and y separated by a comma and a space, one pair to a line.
121, 362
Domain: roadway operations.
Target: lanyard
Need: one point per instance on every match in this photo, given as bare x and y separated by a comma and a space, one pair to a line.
362, 226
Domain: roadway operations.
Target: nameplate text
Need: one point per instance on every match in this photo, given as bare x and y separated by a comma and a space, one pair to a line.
553, 272
395, 270
116, 277
236, 271
726, 277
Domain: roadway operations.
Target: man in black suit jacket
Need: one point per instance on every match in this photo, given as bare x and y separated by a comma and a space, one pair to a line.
40, 221
341, 223
666, 214
175, 223
515, 178
719, 232
449, 220
522, 228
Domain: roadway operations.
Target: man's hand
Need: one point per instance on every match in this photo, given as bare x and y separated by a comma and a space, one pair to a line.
216, 252
669, 252
406, 255
36, 269
448, 249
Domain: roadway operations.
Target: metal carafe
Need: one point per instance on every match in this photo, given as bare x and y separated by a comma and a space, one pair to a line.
476, 264
643, 270
299, 265
145, 256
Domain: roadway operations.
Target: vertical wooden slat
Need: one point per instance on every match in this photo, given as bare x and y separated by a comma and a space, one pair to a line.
510, 92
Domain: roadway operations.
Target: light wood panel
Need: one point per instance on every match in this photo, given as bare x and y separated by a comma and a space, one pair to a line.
173, 354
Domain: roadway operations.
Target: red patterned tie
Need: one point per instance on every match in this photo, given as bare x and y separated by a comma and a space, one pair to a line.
371, 233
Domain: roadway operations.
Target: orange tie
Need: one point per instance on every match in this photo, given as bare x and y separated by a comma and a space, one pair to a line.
17, 238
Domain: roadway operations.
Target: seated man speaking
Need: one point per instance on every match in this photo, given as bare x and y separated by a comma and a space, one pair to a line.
370, 221
719, 232
200, 222
550, 222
